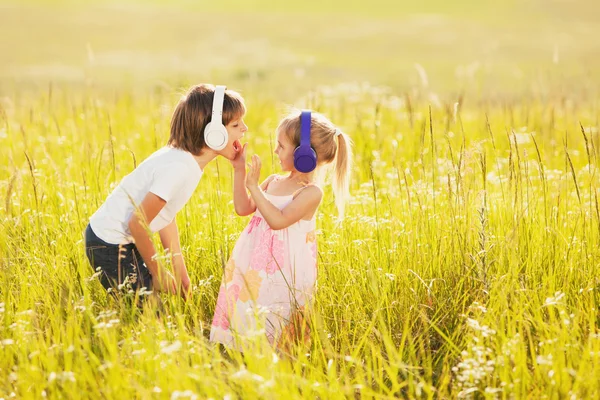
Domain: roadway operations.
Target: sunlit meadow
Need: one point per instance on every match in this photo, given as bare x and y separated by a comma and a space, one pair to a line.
466, 266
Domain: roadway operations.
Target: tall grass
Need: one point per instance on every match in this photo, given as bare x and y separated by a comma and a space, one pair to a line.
466, 266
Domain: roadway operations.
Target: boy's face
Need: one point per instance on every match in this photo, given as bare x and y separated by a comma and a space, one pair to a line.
235, 129
285, 151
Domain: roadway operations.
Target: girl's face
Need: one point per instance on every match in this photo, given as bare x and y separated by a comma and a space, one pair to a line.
285, 151
235, 129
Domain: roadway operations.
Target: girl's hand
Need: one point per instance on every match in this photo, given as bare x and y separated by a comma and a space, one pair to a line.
253, 174
240, 158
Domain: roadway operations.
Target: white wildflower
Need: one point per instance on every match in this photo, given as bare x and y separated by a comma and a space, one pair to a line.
544, 360
557, 299
167, 348
62, 377
188, 394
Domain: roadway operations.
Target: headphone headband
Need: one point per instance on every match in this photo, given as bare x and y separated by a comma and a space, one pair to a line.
305, 128
217, 108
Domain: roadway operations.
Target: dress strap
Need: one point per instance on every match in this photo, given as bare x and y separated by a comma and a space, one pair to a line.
301, 189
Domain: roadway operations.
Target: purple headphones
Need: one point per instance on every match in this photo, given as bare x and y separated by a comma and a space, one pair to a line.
305, 158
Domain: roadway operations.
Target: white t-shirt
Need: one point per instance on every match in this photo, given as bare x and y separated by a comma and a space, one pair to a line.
171, 174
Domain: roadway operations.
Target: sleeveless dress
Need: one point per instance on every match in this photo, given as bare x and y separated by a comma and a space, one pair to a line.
268, 280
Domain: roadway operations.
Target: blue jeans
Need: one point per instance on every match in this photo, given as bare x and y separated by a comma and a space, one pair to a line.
116, 262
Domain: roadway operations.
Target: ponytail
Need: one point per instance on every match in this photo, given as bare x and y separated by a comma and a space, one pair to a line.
341, 172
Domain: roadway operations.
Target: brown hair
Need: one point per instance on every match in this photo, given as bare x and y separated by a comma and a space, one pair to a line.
329, 146
193, 113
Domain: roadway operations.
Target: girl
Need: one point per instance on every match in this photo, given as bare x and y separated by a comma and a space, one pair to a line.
272, 272
117, 238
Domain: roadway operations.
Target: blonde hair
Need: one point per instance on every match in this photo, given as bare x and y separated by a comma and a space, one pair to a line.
331, 146
194, 112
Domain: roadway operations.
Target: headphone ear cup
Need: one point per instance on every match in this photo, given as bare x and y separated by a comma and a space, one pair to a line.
216, 136
305, 159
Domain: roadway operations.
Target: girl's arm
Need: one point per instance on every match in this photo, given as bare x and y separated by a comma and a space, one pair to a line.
243, 204
140, 219
169, 237
305, 203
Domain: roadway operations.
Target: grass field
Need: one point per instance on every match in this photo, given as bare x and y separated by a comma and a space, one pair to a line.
467, 265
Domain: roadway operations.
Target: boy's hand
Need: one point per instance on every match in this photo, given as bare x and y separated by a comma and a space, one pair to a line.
240, 158
185, 288
253, 174
165, 282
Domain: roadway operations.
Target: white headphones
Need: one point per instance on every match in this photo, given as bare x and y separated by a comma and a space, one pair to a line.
215, 133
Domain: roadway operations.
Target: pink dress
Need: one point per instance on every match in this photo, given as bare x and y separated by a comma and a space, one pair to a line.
270, 275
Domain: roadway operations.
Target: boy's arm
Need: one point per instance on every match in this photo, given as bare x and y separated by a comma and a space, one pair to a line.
169, 237
305, 203
140, 219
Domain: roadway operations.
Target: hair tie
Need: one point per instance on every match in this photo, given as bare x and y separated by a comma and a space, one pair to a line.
337, 132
